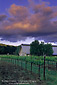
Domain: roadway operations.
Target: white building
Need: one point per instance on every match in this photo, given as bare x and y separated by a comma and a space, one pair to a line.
54, 50
25, 50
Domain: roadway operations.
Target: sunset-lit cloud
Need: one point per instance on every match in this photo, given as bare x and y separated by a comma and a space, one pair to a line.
21, 12
27, 27
34, 20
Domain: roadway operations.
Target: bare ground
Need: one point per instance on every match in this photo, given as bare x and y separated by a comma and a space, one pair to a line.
14, 75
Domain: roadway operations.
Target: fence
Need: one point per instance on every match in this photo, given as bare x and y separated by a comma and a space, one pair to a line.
42, 70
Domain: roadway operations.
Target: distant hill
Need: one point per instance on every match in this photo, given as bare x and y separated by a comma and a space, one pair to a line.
6, 45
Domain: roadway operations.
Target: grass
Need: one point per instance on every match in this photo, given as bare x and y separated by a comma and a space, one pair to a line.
51, 77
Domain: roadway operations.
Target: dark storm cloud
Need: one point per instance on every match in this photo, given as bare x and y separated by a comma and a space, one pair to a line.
50, 38
24, 22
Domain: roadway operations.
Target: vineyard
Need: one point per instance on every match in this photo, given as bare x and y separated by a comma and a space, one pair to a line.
44, 67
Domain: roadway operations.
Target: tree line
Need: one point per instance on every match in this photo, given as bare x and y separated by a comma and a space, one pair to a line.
7, 49
40, 49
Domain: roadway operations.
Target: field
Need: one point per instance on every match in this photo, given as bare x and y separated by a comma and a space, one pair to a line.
44, 72
11, 75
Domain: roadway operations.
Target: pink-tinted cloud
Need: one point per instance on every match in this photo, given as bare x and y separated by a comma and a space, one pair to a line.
30, 22
19, 11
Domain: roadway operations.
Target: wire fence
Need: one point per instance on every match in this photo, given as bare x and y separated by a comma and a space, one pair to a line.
42, 71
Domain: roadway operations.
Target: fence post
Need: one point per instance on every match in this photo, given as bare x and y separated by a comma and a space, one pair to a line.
15, 61
21, 64
31, 64
31, 67
39, 71
18, 61
11, 60
44, 67
48, 64
25, 64
56, 65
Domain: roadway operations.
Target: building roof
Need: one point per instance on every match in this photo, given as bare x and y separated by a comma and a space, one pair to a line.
25, 44
54, 45
29, 45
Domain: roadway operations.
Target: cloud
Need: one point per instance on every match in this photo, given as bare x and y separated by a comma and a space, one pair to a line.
11, 19
27, 40
25, 27
30, 22
2, 17
20, 12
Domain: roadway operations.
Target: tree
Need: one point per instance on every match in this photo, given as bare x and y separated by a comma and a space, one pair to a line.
48, 49
17, 50
4, 49
40, 49
34, 48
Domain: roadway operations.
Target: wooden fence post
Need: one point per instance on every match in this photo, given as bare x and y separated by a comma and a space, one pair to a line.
31, 67
31, 64
25, 64
15, 61
48, 64
56, 65
39, 71
18, 61
11, 60
44, 67
21, 64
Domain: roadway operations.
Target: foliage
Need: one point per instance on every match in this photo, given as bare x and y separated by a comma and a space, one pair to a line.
34, 48
31, 58
7, 49
18, 50
40, 49
48, 49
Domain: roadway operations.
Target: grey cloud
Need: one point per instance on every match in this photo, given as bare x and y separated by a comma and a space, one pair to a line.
2, 17
48, 38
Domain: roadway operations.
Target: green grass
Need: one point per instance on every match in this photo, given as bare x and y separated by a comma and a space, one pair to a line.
51, 77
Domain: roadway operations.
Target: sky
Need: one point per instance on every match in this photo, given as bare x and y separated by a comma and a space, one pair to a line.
23, 21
